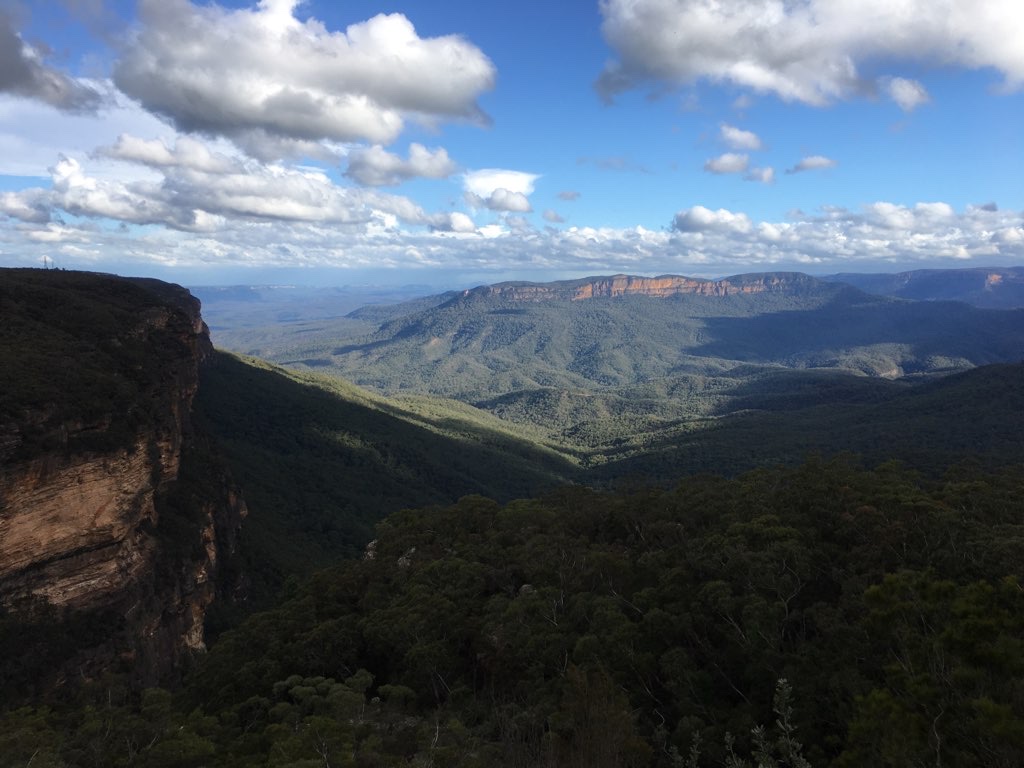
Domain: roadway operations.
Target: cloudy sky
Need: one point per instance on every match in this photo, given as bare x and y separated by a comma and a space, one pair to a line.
449, 142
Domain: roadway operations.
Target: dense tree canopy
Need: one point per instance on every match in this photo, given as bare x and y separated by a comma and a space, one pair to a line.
646, 628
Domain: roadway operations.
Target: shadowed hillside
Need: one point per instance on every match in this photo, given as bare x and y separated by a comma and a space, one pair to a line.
988, 287
871, 335
322, 461
784, 418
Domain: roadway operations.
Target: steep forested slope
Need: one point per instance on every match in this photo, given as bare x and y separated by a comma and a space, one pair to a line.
786, 416
322, 461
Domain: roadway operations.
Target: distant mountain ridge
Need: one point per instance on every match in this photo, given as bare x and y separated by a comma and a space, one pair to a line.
986, 287
775, 286
608, 364
607, 359
661, 286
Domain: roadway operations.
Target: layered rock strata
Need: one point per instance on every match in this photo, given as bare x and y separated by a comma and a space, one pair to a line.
103, 514
629, 285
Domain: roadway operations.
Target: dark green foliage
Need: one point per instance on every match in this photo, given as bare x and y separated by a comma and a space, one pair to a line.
789, 416
36, 641
623, 629
75, 346
954, 661
321, 462
692, 602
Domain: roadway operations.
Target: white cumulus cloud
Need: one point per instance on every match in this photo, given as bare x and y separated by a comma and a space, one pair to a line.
274, 83
499, 189
27, 206
893, 216
487, 180
456, 222
737, 138
504, 200
699, 219
730, 162
702, 241
809, 51
813, 163
195, 189
908, 94
186, 153
764, 175
376, 167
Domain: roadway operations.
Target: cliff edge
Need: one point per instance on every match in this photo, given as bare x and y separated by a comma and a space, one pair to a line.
115, 516
660, 287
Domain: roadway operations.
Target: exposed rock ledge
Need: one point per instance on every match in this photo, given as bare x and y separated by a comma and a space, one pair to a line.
74, 530
83, 501
630, 285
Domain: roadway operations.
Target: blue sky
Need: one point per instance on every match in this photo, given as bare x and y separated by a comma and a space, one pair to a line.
452, 143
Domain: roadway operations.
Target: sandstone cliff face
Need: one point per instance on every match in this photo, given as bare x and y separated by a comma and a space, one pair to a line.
100, 515
628, 285
72, 525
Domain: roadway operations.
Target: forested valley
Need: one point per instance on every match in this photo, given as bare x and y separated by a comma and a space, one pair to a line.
735, 538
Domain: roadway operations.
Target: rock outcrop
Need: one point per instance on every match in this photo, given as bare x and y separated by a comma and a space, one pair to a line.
629, 285
111, 503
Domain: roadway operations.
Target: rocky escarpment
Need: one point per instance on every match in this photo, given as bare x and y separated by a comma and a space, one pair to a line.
659, 287
112, 506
